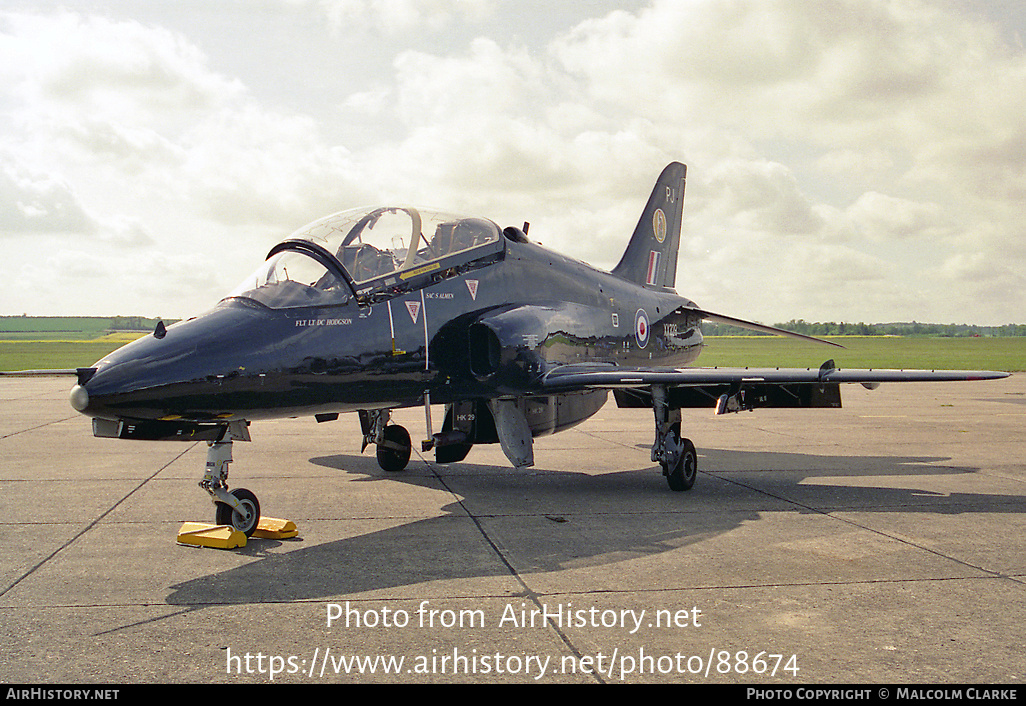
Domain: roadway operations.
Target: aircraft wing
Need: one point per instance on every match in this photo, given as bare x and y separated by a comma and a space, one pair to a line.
592, 376
737, 389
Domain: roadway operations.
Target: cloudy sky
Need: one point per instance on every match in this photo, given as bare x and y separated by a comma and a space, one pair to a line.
858, 160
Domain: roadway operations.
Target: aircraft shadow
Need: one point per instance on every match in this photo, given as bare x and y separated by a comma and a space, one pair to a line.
446, 548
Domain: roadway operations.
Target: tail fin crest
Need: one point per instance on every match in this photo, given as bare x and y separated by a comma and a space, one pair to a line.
651, 255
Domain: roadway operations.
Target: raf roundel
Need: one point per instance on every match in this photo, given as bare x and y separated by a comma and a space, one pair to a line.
641, 327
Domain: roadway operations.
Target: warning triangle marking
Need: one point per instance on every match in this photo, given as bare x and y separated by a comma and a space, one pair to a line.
414, 309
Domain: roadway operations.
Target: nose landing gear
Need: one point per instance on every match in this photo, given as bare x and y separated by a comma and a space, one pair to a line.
239, 508
237, 512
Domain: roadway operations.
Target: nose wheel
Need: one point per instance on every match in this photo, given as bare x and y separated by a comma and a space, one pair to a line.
245, 517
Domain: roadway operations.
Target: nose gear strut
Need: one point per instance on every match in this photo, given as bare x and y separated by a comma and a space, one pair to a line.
238, 508
237, 512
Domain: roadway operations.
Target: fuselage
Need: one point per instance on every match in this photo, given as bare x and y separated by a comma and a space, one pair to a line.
491, 327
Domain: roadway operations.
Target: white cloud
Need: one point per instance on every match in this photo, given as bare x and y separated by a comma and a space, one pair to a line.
842, 154
834, 73
391, 17
138, 106
36, 202
903, 116
249, 165
761, 195
67, 66
886, 218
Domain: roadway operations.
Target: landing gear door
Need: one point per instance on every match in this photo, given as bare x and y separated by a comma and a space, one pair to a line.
459, 431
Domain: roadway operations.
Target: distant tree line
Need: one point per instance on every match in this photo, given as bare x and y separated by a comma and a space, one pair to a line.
913, 328
135, 323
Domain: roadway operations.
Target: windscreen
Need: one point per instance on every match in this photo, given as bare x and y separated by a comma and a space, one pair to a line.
292, 279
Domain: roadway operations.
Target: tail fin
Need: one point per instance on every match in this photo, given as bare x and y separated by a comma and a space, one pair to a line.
651, 255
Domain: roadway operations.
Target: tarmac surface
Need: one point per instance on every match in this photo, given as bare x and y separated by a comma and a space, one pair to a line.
880, 543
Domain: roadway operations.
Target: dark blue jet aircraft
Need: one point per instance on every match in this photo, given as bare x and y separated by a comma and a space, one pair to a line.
371, 310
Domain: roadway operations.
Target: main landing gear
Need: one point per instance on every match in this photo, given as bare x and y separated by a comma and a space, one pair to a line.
677, 456
393, 441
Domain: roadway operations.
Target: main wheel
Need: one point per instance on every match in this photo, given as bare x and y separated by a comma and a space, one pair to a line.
682, 475
227, 515
394, 451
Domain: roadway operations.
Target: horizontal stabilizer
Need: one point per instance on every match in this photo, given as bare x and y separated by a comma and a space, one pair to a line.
751, 325
40, 373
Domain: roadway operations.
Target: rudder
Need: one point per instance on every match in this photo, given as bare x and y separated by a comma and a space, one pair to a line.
651, 255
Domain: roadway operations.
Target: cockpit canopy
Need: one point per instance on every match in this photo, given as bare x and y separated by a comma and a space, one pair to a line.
368, 253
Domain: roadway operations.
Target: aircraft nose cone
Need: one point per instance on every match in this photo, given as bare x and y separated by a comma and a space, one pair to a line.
79, 398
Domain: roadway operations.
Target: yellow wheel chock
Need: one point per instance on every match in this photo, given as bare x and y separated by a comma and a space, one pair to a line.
273, 528
201, 534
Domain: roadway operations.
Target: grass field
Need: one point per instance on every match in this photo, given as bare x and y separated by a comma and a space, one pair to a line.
53, 328
48, 342
49, 354
726, 351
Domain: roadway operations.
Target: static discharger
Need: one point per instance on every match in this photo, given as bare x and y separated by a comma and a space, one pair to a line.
201, 534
